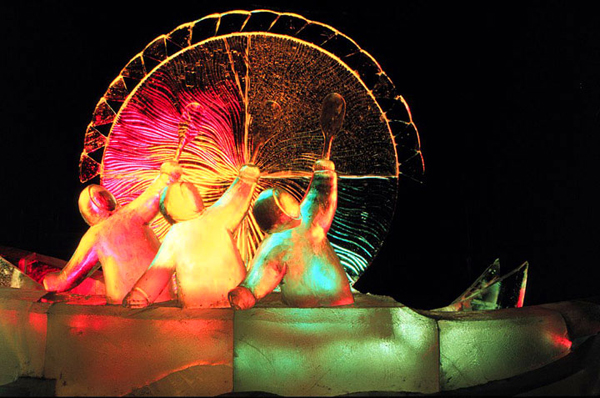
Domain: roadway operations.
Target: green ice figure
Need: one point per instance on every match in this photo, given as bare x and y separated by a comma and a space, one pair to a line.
297, 254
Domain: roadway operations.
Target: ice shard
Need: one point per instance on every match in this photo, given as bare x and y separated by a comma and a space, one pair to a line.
11, 276
492, 292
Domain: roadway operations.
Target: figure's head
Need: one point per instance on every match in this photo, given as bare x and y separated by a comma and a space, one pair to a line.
276, 210
181, 201
96, 204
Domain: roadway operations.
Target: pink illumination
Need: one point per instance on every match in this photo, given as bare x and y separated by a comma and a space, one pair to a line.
37, 321
160, 123
563, 342
521, 299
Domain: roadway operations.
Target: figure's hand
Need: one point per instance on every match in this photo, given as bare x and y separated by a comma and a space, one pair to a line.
241, 298
51, 281
136, 299
172, 169
250, 172
323, 164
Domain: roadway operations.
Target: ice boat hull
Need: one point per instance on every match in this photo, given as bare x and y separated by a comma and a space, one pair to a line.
376, 344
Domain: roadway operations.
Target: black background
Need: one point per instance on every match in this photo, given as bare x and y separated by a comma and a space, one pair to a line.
506, 97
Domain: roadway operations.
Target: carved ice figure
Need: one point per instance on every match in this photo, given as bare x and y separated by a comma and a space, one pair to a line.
119, 239
200, 246
297, 254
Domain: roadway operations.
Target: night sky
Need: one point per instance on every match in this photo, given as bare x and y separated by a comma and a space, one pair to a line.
506, 98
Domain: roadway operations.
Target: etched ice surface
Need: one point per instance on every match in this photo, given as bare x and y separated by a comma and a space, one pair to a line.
11, 276
260, 78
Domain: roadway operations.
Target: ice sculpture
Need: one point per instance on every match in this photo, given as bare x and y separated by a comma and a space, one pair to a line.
119, 239
259, 76
200, 246
285, 351
492, 292
296, 251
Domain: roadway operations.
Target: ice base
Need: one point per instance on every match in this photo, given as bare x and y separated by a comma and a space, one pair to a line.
376, 344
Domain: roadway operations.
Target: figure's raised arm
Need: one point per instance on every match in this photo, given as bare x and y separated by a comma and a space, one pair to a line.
83, 262
147, 289
320, 202
147, 204
233, 205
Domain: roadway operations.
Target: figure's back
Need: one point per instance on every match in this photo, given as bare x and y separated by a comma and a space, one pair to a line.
126, 247
209, 264
315, 276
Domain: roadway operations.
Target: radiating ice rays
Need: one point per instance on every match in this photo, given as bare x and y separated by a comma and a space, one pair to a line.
147, 135
240, 79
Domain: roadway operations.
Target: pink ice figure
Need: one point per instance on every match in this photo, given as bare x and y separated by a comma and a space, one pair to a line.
119, 239
296, 254
199, 247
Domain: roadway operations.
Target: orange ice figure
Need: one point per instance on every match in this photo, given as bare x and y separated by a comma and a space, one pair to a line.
199, 247
296, 253
119, 239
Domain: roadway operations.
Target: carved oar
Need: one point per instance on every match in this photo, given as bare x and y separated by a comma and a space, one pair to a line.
333, 111
186, 135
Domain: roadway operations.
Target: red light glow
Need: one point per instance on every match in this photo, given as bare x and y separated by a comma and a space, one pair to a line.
147, 134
